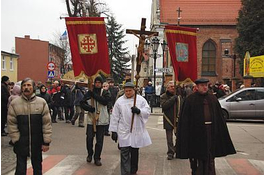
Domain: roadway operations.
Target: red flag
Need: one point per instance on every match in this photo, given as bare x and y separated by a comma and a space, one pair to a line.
183, 51
88, 43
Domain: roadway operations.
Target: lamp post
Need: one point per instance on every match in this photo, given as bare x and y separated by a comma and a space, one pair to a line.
155, 45
164, 44
234, 57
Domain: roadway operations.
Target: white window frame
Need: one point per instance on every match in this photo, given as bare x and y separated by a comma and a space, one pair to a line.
11, 63
3, 63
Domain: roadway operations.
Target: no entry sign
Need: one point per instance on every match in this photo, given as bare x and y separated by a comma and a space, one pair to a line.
51, 66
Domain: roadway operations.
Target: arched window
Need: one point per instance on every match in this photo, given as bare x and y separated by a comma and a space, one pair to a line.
208, 58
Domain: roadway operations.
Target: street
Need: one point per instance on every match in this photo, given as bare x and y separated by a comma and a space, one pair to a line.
67, 154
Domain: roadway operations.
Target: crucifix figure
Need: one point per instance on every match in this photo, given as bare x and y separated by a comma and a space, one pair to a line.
179, 11
142, 35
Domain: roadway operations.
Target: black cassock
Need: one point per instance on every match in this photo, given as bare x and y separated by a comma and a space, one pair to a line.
192, 130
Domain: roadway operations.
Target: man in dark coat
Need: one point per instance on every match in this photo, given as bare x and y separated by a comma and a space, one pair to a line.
79, 112
113, 91
68, 102
44, 94
4, 101
101, 99
168, 101
202, 131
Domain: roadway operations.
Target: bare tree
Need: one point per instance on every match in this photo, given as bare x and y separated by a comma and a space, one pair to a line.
75, 8
64, 44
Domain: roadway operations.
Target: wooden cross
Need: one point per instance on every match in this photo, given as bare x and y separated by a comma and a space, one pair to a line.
179, 11
142, 35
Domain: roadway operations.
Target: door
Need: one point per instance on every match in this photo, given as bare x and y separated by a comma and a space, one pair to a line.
243, 104
260, 103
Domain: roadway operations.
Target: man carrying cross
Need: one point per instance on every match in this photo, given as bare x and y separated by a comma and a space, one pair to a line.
120, 124
131, 133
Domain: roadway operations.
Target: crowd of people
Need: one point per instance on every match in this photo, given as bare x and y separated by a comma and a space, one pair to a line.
184, 90
193, 108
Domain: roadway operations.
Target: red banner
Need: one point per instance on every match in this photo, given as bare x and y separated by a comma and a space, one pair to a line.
88, 43
183, 51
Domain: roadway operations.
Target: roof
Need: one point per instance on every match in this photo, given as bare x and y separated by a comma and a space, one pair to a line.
8, 53
200, 12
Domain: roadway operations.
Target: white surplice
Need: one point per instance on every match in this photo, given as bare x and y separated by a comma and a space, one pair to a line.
120, 122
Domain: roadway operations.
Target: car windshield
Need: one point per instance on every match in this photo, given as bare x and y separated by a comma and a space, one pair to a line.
228, 94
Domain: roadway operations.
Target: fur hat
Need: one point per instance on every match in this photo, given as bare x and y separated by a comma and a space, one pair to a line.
4, 78
99, 78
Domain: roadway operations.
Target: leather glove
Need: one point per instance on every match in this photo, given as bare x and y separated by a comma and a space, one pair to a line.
135, 110
84, 105
92, 110
114, 136
89, 93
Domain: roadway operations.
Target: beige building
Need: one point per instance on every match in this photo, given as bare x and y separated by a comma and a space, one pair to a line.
9, 65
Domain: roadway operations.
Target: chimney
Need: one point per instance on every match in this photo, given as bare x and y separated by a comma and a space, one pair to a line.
27, 36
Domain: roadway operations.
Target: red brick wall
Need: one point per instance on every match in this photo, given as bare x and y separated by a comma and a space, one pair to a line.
224, 65
200, 12
56, 55
33, 60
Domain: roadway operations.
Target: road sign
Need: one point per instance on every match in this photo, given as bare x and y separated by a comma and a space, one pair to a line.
50, 74
51, 66
167, 70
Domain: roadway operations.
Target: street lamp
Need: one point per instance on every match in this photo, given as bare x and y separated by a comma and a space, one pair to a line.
155, 45
164, 44
146, 45
234, 57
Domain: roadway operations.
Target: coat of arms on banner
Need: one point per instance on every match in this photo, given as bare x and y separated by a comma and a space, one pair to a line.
182, 52
87, 43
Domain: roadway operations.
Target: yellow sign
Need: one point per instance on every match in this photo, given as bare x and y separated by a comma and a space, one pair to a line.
256, 66
87, 43
246, 63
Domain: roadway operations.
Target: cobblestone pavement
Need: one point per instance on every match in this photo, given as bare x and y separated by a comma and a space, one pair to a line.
8, 157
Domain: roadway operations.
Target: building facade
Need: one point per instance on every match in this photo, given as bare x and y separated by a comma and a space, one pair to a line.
215, 22
9, 65
34, 57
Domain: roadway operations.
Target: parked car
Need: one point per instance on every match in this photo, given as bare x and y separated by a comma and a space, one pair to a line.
246, 103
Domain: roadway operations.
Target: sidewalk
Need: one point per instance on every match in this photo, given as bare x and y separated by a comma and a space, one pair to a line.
8, 157
157, 111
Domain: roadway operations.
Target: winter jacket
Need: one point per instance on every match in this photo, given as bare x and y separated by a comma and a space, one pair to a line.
167, 101
4, 96
78, 96
149, 89
47, 97
14, 94
101, 99
68, 96
29, 124
113, 91
56, 95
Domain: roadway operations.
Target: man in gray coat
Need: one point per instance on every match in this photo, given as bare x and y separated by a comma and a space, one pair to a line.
168, 101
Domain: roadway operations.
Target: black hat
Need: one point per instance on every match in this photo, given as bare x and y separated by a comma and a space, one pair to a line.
201, 80
4, 78
99, 78
128, 84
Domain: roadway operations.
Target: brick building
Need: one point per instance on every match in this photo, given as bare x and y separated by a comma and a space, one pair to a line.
34, 55
215, 21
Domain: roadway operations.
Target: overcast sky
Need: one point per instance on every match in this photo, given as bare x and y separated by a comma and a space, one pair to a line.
41, 19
